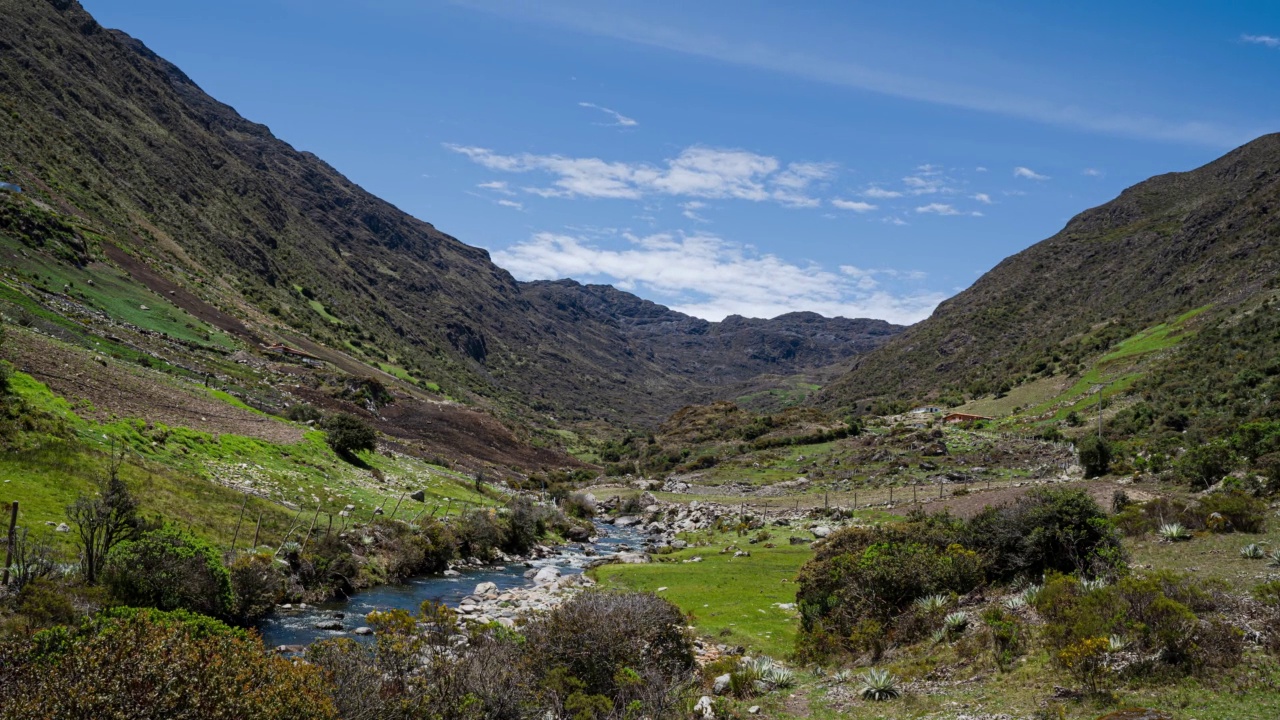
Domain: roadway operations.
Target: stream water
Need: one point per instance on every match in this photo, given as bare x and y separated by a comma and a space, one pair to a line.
298, 626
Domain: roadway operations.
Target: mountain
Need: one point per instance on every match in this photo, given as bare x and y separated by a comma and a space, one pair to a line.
125, 160
1180, 242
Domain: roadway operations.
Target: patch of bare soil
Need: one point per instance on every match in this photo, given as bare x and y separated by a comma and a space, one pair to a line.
448, 430
115, 389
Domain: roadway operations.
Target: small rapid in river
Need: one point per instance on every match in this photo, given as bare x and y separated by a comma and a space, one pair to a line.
296, 626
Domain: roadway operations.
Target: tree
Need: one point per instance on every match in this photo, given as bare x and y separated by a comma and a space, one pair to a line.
348, 434
1095, 455
169, 569
105, 520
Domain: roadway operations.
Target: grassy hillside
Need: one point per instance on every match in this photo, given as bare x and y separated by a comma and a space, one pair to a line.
1165, 247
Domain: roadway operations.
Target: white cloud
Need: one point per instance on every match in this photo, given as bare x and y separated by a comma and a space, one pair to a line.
1028, 173
511, 204
979, 169
1092, 172
619, 120
893, 220
712, 278
854, 205
690, 210
880, 193
698, 171
1267, 40
983, 198
937, 209
498, 186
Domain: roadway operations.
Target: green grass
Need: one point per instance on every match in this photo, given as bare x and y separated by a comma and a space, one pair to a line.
183, 475
112, 292
732, 599
322, 312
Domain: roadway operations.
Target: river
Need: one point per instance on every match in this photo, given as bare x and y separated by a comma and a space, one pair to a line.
298, 627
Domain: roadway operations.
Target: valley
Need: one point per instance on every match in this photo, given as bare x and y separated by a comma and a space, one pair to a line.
241, 397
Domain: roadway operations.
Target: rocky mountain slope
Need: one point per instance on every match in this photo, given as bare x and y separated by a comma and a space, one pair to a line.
141, 169
1172, 244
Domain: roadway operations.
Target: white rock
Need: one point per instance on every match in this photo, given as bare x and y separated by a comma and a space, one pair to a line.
546, 575
485, 588
821, 531
703, 708
721, 684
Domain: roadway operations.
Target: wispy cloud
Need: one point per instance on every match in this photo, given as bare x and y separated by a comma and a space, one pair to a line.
709, 277
1092, 172
690, 210
855, 205
498, 186
879, 193
937, 209
1031, 104
1267, 40
983, 198
1028, 173
698, 172
619, 120
511, 204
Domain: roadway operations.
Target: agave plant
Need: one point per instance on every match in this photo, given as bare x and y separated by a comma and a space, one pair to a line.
1275, 559
1015, 602
290, 548
1115, 644
932, 603
1031, 593
842, 677
939, 636
818, 671
1253, 551
879, 685
1094, 584
956, 622
779, 677
1173, 532
759, 666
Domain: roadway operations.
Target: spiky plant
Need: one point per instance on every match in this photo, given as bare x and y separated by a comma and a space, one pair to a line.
878, 685
290, 549
1094, 584
1173, 532
932, 603
1253, 551
939, 636
1015, 602
779, 677
1275, 559
842, 677
1031, 593
818, 671
956, 622
1115, 644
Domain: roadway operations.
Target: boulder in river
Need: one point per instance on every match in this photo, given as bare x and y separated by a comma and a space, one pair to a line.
485, 588
329, 625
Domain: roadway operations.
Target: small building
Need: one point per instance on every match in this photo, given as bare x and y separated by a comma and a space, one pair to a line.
956, 417
10, 187
926, 410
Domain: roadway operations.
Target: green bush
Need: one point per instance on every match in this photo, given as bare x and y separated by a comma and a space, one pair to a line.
1233, 510
480, 534
169, 569
302, 412
630, 648
257, 585
1094, 453
1059, 529
149, 664
348, 434
1204, 464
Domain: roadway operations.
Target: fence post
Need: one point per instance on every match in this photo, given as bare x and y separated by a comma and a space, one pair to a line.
8, 548
236, 536
256, 529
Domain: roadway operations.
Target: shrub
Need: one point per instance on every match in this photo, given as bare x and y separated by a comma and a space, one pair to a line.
43, 604
169, 569
348, 434
1204, 464
1094, 453
593, 637
1007, 636
145, 663
576, 505
257, 584
303, 413
1060, 529
1234, 510
480, 533
1173, 532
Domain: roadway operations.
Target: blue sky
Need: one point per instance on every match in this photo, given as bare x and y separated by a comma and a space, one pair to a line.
753, 158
